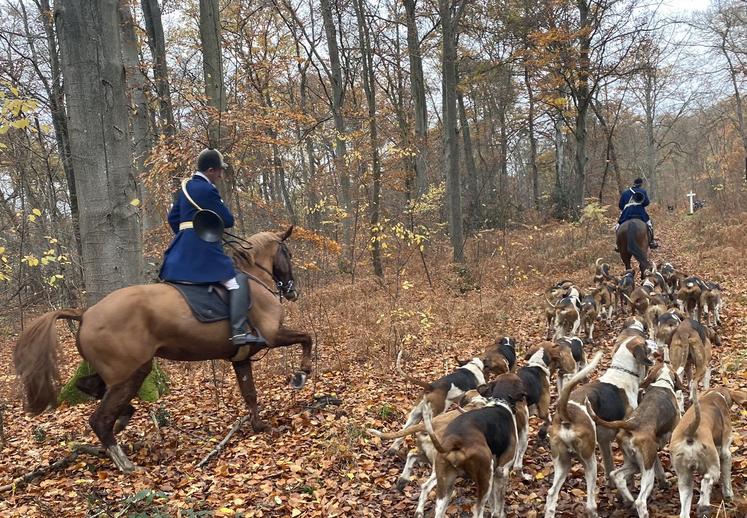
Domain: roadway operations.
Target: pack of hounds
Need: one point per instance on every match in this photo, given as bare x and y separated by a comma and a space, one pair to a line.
468, 425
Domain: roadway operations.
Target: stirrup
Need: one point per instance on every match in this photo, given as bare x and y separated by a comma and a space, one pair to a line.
653, 244
248, 339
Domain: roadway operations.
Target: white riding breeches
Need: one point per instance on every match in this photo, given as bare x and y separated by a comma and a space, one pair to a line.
231, 284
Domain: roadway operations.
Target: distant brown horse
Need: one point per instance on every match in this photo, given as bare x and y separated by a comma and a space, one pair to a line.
121, 334
632, 241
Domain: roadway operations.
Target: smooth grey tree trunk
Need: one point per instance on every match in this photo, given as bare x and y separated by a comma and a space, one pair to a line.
369, 86
733, 72
474, 212
215, 89
649, 96
94, 85
212, 68
417, 88
337, 102
59, 116
610, 151
142, 139
157, 44
451, 145
533, 168
583, 99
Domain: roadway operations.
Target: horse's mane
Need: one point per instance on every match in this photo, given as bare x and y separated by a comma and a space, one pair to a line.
258, 242
262, 239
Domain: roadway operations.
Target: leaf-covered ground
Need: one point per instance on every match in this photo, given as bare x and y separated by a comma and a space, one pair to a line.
320, 462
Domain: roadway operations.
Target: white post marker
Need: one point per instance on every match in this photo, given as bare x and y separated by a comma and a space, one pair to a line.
691, 195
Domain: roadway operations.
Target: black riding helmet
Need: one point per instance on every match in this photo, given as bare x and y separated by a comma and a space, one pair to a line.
210, 158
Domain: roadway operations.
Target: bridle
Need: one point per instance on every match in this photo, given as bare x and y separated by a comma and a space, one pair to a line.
282, 288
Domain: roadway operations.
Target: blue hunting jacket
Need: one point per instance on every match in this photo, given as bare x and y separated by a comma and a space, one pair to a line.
633, 211
188, 258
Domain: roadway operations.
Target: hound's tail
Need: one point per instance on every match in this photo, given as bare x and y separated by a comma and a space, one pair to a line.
565, 392
410, 430
692, 428
428, 422
427, 386
613, 425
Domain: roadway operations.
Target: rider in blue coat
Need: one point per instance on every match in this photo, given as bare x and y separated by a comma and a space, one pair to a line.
633, 203
189, 259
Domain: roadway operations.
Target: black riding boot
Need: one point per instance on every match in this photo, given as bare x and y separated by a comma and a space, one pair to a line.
239, 308
652, 243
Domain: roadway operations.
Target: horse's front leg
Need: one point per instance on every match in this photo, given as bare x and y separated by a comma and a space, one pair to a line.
285, 337
245, 378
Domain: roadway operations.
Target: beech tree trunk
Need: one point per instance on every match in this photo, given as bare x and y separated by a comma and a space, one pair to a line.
369, 86
451, 145
337, 100
157, 44
215, 89
94, 84
139, 114
417, 88
59, 117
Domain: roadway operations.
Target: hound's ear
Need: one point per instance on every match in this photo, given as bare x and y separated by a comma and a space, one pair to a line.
285, 235
639, 353
739, 397
652, 375
485, 389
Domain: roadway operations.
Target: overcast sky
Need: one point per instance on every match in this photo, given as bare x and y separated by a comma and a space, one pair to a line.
673, 6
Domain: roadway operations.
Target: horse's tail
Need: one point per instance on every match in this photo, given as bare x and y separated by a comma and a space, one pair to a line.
633, 248
35, 360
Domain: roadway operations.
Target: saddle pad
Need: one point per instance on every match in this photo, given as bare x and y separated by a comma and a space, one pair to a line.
204, 300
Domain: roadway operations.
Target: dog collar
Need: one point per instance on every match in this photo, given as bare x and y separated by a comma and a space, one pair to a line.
666, 380
627, 371
637, 326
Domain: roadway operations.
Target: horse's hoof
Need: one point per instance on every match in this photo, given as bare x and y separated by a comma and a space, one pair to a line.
704, 511
402, 483
260, 426
120, 459
298, 380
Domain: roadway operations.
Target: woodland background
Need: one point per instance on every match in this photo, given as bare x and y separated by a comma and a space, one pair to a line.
444, 161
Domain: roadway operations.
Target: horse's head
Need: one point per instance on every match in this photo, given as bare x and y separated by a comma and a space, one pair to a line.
269, 252
282, 269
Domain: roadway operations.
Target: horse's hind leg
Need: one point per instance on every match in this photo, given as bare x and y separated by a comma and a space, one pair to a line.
116, 403
92, 385
95, 387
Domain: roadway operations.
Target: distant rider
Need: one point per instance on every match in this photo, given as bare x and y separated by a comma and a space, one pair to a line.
633, 203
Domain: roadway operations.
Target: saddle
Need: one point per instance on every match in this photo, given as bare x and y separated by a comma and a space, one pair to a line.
208, 302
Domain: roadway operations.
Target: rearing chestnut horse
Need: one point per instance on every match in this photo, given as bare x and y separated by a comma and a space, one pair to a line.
122, 333
632, 241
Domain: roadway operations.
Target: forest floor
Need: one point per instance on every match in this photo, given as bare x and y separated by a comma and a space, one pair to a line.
320, 461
